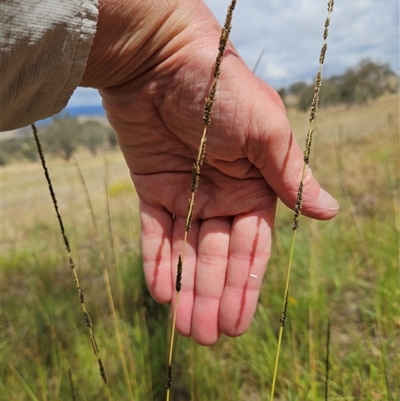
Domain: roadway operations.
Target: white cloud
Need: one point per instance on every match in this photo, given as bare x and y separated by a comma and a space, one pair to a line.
275, 71
290, 31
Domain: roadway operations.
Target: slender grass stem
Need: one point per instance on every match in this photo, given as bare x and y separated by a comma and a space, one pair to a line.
70, 260
71, 383
283, 316
299, 199
312, 318
87, 196
208, 107
118, 335
106, 279
23, 384
109, 219
327, 363
258, 61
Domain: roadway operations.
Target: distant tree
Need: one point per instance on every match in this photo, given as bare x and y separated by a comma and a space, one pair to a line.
93, 135
112, 139
330, 93
28, 149
3, 158
305, 97
63, 135
357, 85
366, 81
298, 87
10, 147
282, 94
371, 80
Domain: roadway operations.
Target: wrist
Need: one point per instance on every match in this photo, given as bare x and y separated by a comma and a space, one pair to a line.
131, 38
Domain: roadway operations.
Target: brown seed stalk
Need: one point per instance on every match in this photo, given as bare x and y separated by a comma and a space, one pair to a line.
88, 321
299, 199
208, 108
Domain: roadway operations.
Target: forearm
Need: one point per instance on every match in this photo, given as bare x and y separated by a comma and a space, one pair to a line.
45, 48
43, 53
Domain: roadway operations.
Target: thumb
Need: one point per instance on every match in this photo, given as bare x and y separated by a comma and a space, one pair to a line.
276, 153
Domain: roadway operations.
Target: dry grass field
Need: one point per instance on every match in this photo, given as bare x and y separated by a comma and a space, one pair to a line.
345, 271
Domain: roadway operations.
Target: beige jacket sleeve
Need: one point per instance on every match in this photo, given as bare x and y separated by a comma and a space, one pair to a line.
44, 47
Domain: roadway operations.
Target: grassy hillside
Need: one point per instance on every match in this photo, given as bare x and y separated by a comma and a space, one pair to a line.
345, 271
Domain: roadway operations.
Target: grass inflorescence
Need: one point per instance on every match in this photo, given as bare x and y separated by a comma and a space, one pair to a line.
208, 108
328, 340
71, 262
299, 199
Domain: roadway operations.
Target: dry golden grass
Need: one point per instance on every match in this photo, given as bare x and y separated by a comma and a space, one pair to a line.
25, 194
351, 281
357, 121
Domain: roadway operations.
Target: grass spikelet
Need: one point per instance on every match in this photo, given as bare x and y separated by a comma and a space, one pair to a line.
70, 260
284, 311
327, 364
208, 107
170, 374
178, 284
299, 199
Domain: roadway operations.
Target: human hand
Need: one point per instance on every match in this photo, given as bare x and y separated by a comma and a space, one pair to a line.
252, 158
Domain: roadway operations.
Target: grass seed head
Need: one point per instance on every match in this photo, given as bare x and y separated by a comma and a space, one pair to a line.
209, 104
102, 370
170, 376
195, 177
87, 319
203, 152
188, 221
297, 207
178, 285
323, 51
81, 296
307, 151
283, 317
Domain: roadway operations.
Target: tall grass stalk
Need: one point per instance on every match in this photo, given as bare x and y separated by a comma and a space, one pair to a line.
311, 312
87, 196
71, 381
208, 107
112, 236
345, 190
106, 278
24, 384
109, 219
297, 209
327, 362
70, 259
111, 302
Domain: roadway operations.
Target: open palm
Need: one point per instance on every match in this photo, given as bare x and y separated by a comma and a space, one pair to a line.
251, 159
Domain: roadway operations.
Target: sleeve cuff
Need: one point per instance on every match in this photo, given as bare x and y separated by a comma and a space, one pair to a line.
45, 45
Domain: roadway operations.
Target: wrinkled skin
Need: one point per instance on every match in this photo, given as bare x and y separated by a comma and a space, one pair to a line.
156, 108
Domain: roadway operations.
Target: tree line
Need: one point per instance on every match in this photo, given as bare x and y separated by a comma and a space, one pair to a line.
65, 134
61, 138
357, 85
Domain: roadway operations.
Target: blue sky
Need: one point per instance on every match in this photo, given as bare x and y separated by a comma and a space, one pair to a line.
290, 32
